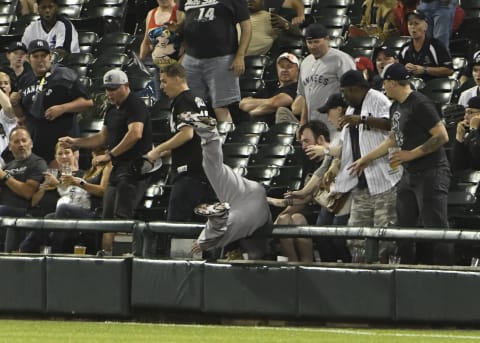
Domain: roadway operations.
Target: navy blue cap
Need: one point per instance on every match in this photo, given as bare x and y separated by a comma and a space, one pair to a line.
333, 101
396, 71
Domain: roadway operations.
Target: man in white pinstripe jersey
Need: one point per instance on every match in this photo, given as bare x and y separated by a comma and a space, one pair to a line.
366, 124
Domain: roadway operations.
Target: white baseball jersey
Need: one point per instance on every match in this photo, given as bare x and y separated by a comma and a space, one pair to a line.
63, 35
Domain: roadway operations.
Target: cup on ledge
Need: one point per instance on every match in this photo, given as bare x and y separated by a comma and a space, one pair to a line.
79, 250
475, 262
46, 250
394, 259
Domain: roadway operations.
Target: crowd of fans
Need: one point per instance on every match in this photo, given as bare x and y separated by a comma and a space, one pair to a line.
371, 141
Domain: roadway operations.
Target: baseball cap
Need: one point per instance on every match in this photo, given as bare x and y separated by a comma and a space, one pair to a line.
396, 71
38, 45
288, 56
353, 78
333, 101
114, 78
16, 46
474, 102
388, 52
315, 30
476, 58
363, 63
419, 14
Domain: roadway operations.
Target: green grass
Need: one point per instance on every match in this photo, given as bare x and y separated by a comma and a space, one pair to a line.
26, 331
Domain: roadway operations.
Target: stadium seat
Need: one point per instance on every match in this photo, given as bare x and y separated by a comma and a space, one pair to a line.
87, 41
288, 179
440, 90
361, 46
272, 154
5, 21
249, 87
113, 42
80, 62
255, 66
7, 9
336, 26
262, 174
396, 42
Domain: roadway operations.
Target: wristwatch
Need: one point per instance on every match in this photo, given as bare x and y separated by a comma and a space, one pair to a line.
82, 183
326, 151
363, 120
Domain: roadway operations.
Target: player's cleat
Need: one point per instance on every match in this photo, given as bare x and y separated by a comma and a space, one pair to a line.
217, 209
198, 120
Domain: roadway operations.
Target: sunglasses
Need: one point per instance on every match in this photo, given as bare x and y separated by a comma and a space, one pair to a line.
112, 88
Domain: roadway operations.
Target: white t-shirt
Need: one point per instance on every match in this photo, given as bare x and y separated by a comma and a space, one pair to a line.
63, 35
467, 94
7, 124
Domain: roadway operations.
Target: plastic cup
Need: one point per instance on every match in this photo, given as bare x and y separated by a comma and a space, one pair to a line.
79, 250
393, 167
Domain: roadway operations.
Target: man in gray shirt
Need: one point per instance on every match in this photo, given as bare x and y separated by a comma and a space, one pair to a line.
320, 74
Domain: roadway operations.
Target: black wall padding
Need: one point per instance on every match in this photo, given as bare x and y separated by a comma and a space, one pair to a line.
251, 290
23, 284
450, 296
88, 285
167, 284
337, 293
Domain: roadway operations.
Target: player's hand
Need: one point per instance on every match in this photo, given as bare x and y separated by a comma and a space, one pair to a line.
15, 98
298, 20
461, 129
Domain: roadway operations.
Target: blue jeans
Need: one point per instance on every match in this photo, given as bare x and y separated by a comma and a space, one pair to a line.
440, 19
332, 249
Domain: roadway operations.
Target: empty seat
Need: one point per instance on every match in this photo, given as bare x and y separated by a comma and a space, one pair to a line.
361, 46
262, 174
80, 62
440, 90
272, 155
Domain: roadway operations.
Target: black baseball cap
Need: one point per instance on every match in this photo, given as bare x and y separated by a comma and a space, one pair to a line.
396, 71
388, 52
315, 30
474, 102
16, 46
333, 101
38, 45
419, 14
353, 78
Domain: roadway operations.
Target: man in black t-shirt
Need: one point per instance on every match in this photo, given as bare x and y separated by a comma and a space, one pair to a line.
190, 184
423, 56
214, 56
423, 190
19, 180
49, 98
127, 132
263, 104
